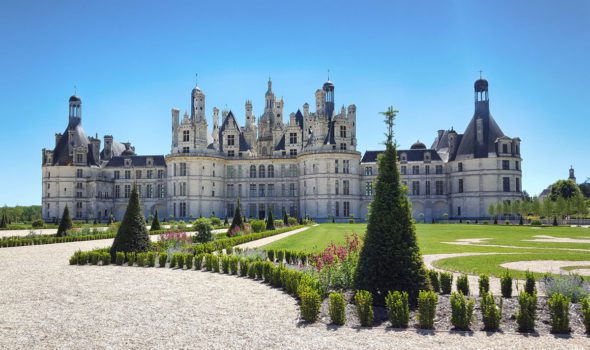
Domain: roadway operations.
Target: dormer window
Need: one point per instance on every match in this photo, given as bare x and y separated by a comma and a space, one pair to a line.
427, 156
127, 162
150, 162
403, 157
231, 140
504, 148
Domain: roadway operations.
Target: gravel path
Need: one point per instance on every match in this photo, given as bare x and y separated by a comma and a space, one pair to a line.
46, 303
551, 266
269, 240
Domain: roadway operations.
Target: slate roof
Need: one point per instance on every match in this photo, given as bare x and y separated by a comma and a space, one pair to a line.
468, 145
117, 149
136, 161
299, 119
61, 152
411, 154
281, 145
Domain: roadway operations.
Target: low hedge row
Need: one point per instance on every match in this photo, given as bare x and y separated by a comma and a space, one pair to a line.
291, 257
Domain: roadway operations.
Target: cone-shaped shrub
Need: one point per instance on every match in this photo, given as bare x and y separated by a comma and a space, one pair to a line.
463, 284
155, 223
132, 235
390, 258
506, 284
237, 220
529, 285
65, 223
4, 219
434, 280
270, 220
484, 284
446, 282
285, 217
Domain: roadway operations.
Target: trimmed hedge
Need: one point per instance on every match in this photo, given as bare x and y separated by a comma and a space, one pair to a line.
559, 307
525, 317
398, 309
461, 311
364, 307
491, 314
337, 308
446, 282
427, 301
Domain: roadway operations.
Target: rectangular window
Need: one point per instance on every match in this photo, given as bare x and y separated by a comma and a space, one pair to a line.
346, 208
79, 158
292, 190
458, 211
231, 140
138, 174
427, 169
427, 188
160, 174
182, 169
150, 174
505, 165
283, 190
506, 184
117, 191
369, 171
416, 188
439, 187
252, 210
460, 185
185, 149
261, 190
368, 188
403, 170
79, 173
516, 165
239, 190
336, 166
343, 131
252, 190
183, 188
139, 191
292, 152
346, 166
182, 209
186, 136
127, 174
230, 210
127, 190
230, 190
415, 169
337, 187
293, 138
504, 148
439, 169
346, 187
271, 190
149, 191
117, 174
517, 183
337, 209
343, 147
161, 191
231, 153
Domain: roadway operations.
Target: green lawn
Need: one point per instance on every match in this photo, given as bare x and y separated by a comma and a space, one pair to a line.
433, 239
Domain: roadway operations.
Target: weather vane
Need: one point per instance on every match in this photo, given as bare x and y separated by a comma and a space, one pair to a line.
196, 79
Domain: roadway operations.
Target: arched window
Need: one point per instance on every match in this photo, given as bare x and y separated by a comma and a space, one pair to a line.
271, 171
253, 171
261, 172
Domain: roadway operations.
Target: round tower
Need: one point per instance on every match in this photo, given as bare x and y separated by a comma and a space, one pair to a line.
328, 89
75, 109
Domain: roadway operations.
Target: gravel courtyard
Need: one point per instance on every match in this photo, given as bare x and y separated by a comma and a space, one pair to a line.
45, 303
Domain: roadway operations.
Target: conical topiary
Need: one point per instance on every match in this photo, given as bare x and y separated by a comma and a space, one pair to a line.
4, 219
65, 223
285, 217
132, 235
155, 223
237, 220
270, 220
390, 259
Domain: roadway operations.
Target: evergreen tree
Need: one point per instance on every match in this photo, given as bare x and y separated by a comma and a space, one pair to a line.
4, 219
270, 220
110, 221
155, 223
390, 258
65, 223
132, 235
237, 221
285, 217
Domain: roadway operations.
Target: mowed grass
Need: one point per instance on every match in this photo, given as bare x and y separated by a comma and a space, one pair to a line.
435, 239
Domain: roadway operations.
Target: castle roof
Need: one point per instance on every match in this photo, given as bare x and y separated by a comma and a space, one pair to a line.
136, 161
412, 155
74, 136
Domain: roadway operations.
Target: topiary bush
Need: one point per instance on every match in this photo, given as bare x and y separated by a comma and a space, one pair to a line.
270, 254
132, 235
434, 280
310, 305
151, 259
484, 284
506, 284
463, 284
94, 258
38, 224
162, 257
461, 311
199, 261
585, 305
141, 259
204, 230
527, 312
119, 258
106, 258
427, 301
233, 265
209, 262
559, 307
244, 265
188, 260
173, 257
225, 264
364, 307
215, 262
252, 270
398, 309
130, 258
337, 308
155, 223
446, 282
491, 314
65, 224
257, 225
280, 255
529, 285
270, 220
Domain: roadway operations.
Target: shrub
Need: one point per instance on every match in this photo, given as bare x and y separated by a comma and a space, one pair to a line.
461, 311
106, 258
270, 220
529, 285
215, 221
364, 307
337, 308
244, 264
536, 223
162, 257
132, 235
140, 258
484, 284
74, 258
586, 313
208, 262
257, 225
491, 314
151, 259
188, 260
204, 230
559, 306
270, 255
237, 223
225, 263
84, 258
173, 258
506, 284
130, 258
215, 262
292, 221
94, 257
199, 261
525, 317
463, 284
120, 258
155, 223
65, 224
310, 305
427, 309
252, 270
434, 280
446, 282
398, 309
38, 224
233, 264
570, 286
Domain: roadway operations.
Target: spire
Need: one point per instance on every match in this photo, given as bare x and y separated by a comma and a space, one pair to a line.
269, 85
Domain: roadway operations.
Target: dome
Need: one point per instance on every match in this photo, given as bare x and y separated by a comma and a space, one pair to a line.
75, 98
418, 145
480, 85
197, 89
328, 85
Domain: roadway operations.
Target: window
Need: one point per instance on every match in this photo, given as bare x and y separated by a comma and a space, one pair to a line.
239, 190
439, 169
343, 131
229, 170
160, 174
516, 165
271, 171
505, 165
460, 185
78, 185
416, 188
139, 192
253, 171
127, 190
150, 174
78, 194
149, 191
337, 187
182, 209
293, 138
186, 136
138, 174
182, 186
292, 189
517, 149
127, 174
79, 173
261, 190
460, 167
415, 169
231, 140
346, 187
231, 153
117, 191
283, 190
161, 191
345, 166
403, 170
336, 166
79, 158
271, 190
346, 208
292, 152
427, 169
517, 184
185, 149
212, 193
292, 170
343, 147
337, 209
458, 211
282, 170
506, 184
368, 188
230, 210
252, 190
261, 171
427, 188
182, 169
439, 187
230, 190
504, 148
403, 157
369, 170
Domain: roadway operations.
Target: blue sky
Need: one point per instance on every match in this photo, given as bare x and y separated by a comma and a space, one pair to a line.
132, 61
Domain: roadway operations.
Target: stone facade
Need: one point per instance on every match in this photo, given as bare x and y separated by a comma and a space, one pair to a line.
308, 165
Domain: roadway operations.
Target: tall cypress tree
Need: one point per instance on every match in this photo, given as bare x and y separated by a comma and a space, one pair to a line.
270, 220
285, 217
65, 223
390, 258
155, 223
132, 235
3, 219
237, 220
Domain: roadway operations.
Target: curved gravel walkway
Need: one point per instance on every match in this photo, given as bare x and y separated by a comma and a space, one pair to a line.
46, 303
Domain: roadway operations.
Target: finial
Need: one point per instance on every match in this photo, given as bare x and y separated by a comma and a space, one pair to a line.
196, 79
480, 76
328, 74
75, 90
